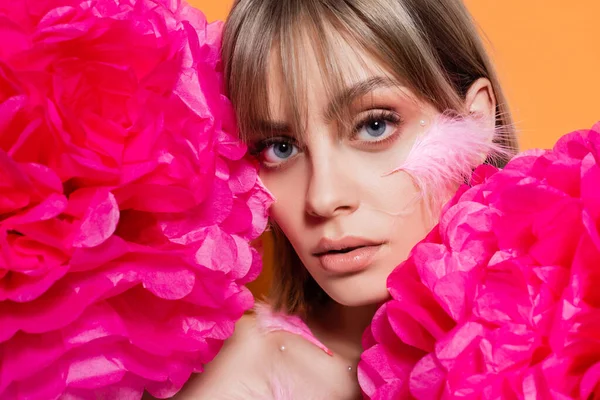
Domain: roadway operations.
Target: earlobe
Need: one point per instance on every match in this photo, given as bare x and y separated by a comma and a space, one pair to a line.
480, 101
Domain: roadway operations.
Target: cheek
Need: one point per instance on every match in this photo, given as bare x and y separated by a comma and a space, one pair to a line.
400, 213
288, 208
394, 197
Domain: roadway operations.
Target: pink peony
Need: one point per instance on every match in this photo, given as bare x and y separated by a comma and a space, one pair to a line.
126, 204
501, 300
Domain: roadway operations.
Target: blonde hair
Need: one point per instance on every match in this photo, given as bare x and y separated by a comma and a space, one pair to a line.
431, 46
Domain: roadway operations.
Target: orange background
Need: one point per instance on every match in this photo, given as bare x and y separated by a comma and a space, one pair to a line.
547, 53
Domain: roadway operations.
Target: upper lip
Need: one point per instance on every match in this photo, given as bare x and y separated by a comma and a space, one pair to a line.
327, 245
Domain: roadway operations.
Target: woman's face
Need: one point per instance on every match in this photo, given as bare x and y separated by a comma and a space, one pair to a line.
350, 222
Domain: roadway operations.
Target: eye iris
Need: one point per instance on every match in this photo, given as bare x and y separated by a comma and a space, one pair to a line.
283, 150
376, 128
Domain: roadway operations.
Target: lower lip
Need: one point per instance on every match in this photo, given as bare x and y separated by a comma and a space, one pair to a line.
353, 261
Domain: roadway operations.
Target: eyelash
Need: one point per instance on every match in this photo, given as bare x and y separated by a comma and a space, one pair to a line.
372, 116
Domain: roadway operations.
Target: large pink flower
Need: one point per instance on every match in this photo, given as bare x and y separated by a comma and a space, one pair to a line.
500, 301
126, 203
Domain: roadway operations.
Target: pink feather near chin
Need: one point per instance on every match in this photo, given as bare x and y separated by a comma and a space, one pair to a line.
270, 321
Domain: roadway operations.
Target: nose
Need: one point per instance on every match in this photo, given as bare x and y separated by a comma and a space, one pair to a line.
331, 189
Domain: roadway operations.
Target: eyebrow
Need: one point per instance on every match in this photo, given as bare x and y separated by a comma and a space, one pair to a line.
341, 100
350, 94
263, 129
273, 127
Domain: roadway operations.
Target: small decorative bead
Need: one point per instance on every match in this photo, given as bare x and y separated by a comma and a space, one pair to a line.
422, 122
281, 348
349, 368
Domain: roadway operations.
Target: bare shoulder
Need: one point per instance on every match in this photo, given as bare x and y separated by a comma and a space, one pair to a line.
258, 364
240, 368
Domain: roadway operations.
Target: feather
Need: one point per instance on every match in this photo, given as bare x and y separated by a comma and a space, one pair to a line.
270, 321
445, 155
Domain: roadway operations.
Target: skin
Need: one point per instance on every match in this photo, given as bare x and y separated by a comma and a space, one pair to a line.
333, 184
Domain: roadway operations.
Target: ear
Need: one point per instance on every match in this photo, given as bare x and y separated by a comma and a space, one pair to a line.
480, 102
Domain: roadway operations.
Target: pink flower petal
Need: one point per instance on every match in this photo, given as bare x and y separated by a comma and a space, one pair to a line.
121, 180
507, 283
99, 221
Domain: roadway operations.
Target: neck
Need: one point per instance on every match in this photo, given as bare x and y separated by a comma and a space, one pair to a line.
341, 327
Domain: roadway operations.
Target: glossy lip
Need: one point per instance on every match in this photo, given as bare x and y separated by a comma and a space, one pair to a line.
326, 245
361, 253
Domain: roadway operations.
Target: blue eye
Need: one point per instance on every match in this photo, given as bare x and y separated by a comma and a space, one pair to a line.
278, 152
283, 150
377, 125
376, 128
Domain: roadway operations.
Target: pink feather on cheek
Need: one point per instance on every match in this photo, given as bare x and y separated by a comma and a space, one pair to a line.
444, 156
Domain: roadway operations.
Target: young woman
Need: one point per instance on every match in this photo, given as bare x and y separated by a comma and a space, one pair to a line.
331, 95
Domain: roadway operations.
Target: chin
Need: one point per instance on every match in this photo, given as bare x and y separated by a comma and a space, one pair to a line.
358, 290
376, 298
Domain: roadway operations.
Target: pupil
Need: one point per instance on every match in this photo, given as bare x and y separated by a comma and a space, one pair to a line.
376, 128
283, 150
